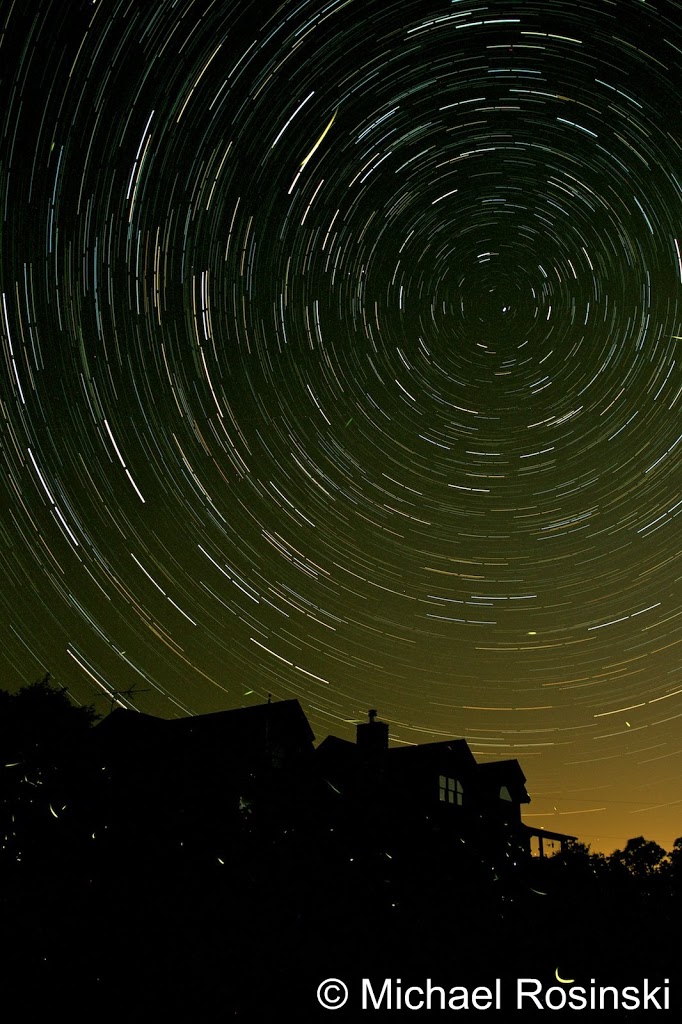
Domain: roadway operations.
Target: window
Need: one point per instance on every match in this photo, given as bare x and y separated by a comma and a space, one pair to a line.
505, 794
450, 791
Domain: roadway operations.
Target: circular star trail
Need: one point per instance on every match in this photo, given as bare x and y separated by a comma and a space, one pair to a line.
341, 362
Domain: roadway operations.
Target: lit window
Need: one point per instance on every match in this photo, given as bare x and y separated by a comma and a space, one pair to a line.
505, 794
450, 791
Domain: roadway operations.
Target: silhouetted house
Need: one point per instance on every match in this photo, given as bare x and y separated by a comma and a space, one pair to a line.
437, 785
272, 735
195, 776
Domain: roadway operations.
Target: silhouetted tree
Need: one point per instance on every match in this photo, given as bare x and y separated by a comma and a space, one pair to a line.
642, 858
580, 855
671, 869
42, 826
41, 734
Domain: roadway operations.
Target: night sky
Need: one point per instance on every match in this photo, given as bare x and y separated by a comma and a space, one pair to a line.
341, 362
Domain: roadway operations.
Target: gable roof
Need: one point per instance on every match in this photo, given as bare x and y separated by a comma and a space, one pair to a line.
240, 733
247, 726
491, 776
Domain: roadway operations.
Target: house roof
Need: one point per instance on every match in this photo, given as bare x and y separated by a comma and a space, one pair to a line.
544, 833
502, 770
236, 736
494, 774
248, 724
335, 745
458, 747
241, 730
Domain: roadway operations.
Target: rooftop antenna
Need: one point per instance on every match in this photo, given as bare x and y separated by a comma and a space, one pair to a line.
129, 693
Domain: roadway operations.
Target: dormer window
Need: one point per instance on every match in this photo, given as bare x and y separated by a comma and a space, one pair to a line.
505, 794
450, 791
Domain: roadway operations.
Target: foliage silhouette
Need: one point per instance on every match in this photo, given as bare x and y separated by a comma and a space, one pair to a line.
642, 858
41, 772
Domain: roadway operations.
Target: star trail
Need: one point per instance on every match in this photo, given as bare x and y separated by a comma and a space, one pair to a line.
341, 362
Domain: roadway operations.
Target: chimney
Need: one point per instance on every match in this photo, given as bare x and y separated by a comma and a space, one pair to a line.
372, 736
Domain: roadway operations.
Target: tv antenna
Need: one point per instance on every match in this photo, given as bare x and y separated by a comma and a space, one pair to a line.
130, 693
